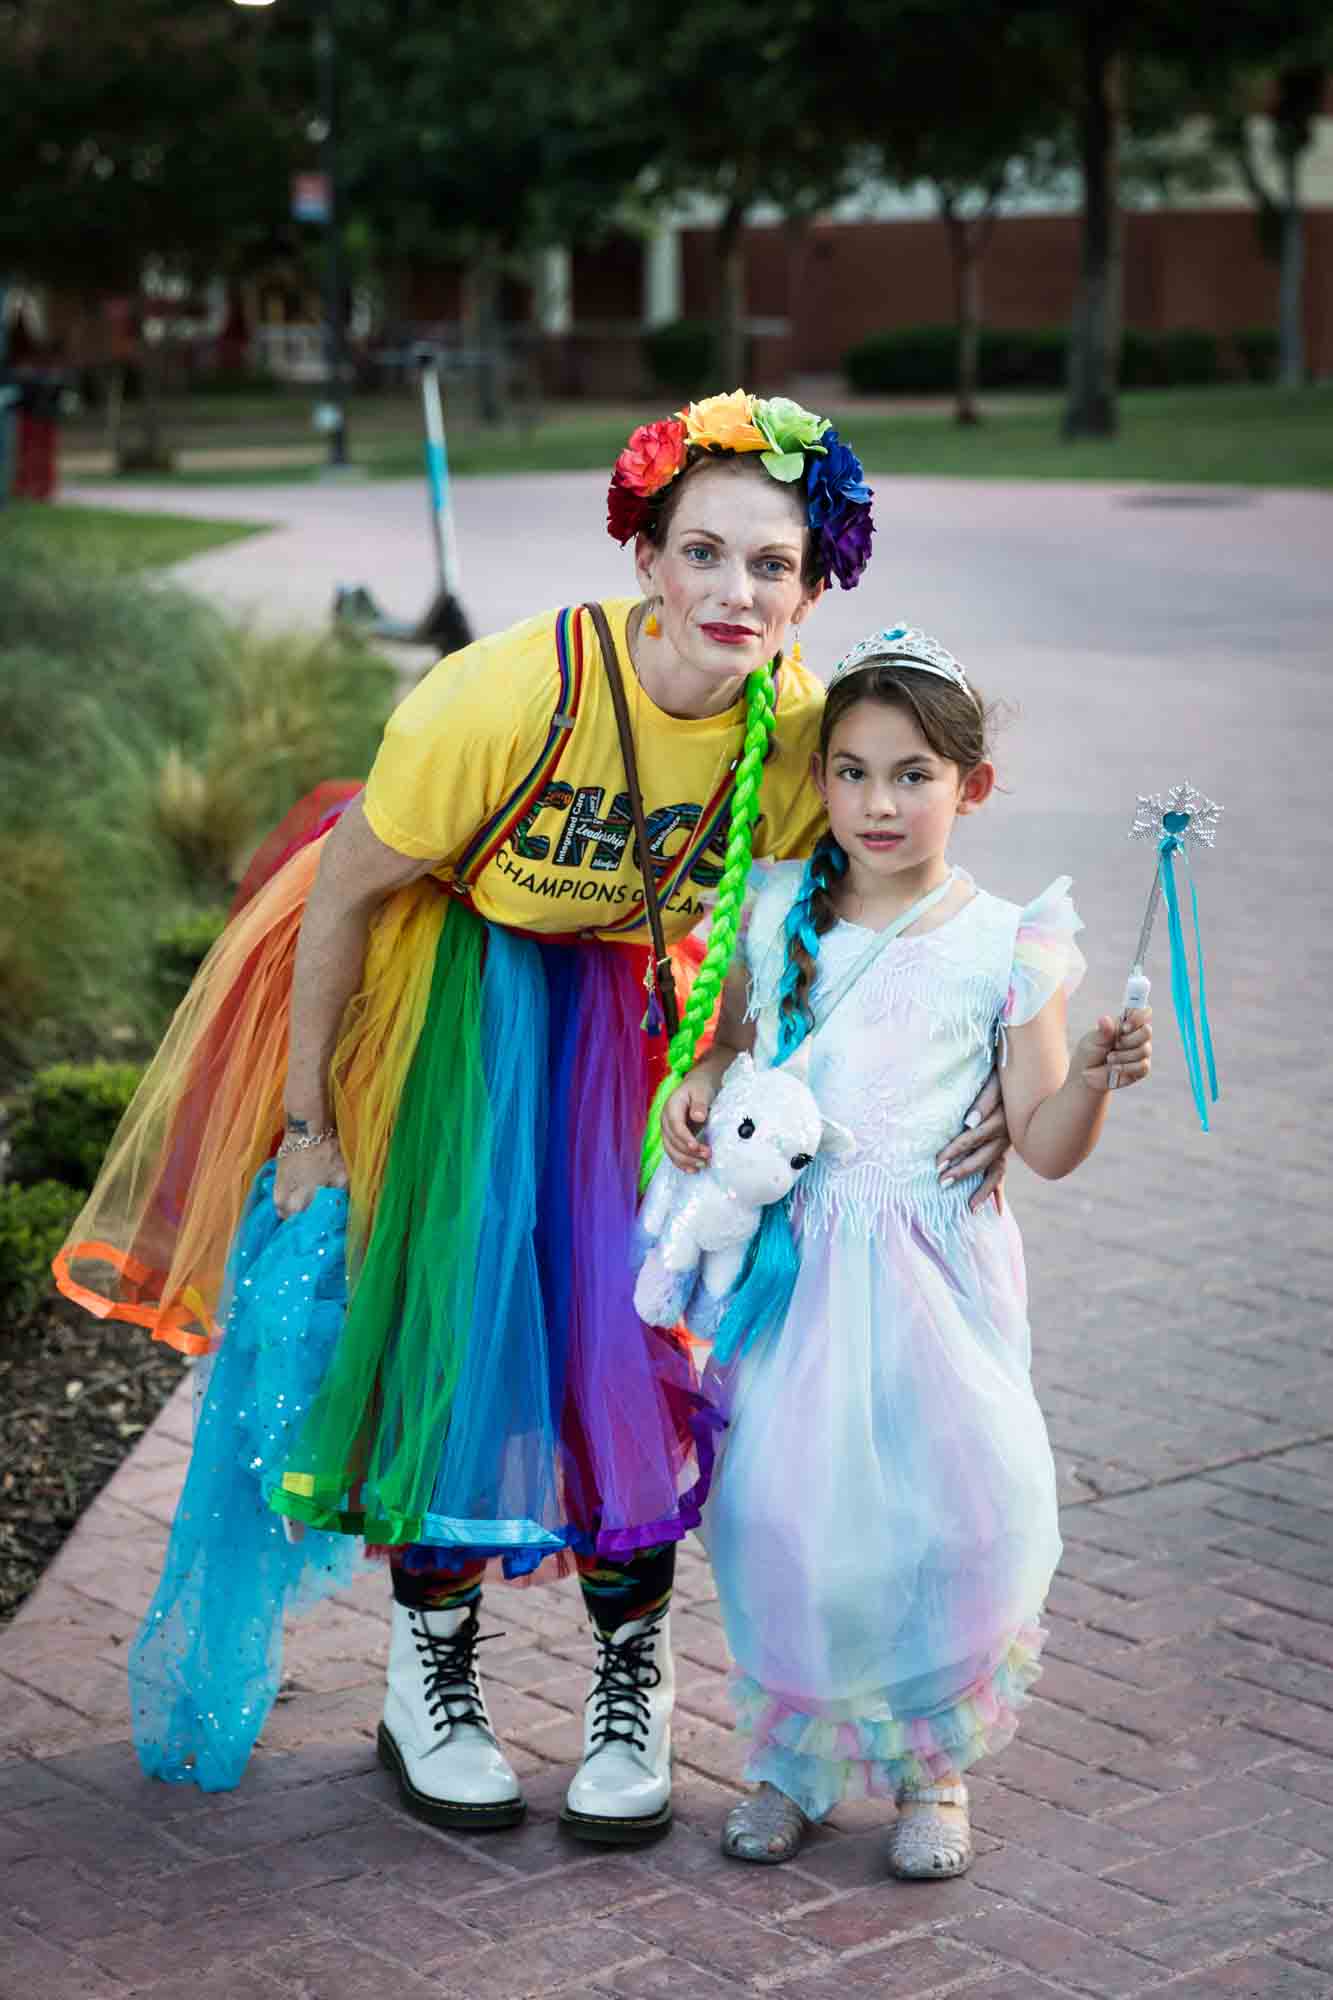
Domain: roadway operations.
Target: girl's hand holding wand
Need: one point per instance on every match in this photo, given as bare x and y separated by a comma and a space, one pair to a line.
1115, 1054
1057, 1101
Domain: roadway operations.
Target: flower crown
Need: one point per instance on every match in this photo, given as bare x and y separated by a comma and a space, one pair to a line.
793, 443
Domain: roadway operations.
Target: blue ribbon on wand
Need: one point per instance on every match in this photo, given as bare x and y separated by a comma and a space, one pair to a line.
1181, 994
1183, 816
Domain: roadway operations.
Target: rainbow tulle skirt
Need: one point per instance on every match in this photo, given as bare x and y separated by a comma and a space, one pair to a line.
490, 1386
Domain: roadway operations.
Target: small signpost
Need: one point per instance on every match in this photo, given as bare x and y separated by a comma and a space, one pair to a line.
310, 197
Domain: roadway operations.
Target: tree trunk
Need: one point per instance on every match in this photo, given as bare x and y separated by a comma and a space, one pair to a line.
115, 413
1095, 333
1300, 94
1300, 97
967, 244
796, 233
150, 452
1291, 286
731, 293
484, 290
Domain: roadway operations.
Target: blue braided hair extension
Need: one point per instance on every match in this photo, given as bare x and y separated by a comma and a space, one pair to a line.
807, 920
758, 1301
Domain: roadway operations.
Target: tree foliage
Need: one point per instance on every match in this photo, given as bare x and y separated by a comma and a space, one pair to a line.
970, 118
153, 128
168, 128
475, 128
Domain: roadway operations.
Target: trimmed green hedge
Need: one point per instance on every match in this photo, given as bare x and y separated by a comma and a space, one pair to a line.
34, 1222
1187, 358
66, 1119
1258, 348
179, 949
923, 360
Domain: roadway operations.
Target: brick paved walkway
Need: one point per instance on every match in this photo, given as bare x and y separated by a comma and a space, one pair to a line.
1165, 1820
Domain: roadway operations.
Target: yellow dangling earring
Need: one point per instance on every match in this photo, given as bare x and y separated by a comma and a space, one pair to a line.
796, 653
651, 627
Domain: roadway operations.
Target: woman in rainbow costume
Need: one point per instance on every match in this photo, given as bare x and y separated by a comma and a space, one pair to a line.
383, 1171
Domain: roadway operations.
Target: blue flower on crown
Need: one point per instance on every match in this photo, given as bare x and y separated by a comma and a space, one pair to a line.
834, 480
838, 509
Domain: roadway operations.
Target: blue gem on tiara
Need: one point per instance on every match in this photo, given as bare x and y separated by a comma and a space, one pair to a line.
906, 644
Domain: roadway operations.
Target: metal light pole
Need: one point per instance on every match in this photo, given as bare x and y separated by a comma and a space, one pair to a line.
326, 65
326, 72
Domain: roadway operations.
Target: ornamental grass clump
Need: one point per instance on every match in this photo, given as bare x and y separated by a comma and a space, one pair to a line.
149, 745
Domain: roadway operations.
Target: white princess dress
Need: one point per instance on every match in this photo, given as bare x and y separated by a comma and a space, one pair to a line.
883, 1525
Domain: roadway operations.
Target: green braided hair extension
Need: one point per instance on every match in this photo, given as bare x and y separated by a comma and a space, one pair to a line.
760, 719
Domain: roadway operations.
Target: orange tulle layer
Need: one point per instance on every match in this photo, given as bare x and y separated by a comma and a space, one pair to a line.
150, 1245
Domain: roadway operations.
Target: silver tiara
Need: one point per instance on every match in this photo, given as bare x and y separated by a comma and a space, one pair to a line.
902, 643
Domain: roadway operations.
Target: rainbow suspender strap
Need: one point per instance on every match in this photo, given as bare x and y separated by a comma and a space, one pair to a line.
526, 796
491, 837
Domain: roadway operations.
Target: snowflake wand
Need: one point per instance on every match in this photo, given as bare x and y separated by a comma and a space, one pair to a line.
1183, 816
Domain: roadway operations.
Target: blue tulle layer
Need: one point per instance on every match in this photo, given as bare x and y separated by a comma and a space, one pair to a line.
205, 1667
572, 1424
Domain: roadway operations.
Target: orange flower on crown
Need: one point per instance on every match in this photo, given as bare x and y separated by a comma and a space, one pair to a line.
725, 423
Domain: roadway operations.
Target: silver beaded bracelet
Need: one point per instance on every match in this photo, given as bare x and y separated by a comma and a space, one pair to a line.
300, 1142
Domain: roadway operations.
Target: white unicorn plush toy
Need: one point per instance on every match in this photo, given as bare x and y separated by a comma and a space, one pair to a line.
764, 1128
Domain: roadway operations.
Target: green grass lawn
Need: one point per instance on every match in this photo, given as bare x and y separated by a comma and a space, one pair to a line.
1240, 436
1233, 435
1230, 436
104, 538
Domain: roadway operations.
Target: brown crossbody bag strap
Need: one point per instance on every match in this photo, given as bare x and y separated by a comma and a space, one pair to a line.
663, 980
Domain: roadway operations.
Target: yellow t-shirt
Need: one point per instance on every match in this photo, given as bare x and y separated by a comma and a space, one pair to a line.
475, 730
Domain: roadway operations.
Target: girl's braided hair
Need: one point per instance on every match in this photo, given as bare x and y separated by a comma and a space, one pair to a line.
760, 716
954, 721
809, 917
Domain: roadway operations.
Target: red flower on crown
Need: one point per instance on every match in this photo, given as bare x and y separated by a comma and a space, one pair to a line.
626, 512
652, 458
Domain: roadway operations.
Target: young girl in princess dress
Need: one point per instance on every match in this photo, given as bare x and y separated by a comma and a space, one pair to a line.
883, 1529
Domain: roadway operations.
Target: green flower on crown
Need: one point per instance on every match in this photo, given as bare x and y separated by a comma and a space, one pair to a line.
790, 431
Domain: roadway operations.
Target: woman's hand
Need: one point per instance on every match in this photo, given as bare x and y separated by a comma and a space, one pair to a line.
981, 1147
301, 1175
1115, 1054
683, 1116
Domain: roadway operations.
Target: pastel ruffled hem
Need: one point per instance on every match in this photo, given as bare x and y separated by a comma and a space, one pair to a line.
820, 1763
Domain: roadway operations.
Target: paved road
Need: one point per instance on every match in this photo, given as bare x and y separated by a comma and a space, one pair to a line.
1165, 1820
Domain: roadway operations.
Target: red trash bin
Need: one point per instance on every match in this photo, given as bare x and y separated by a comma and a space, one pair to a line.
36, 422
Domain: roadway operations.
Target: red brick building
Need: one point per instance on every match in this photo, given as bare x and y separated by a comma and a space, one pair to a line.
883, 261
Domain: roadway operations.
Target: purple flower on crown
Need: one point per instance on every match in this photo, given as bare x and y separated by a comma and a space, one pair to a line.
838, 509
844, 542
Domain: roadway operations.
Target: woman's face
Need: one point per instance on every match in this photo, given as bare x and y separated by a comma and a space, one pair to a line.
729, 572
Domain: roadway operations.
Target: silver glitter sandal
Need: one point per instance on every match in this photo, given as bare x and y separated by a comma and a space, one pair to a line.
930, 1846
768, 1827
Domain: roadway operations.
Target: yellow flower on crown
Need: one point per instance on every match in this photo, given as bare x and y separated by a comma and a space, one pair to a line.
725, 422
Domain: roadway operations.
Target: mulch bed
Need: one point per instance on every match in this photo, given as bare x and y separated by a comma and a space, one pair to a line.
76, 1394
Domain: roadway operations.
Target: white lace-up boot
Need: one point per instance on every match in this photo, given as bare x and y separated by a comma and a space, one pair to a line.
621, 1793
436, 1736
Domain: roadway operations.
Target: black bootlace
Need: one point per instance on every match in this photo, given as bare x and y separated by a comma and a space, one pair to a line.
625, 1675
452, 1685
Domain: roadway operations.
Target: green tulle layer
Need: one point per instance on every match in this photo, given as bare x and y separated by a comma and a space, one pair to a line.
368, 1456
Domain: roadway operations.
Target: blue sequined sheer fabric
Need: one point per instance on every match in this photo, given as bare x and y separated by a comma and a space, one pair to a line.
205, 1667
